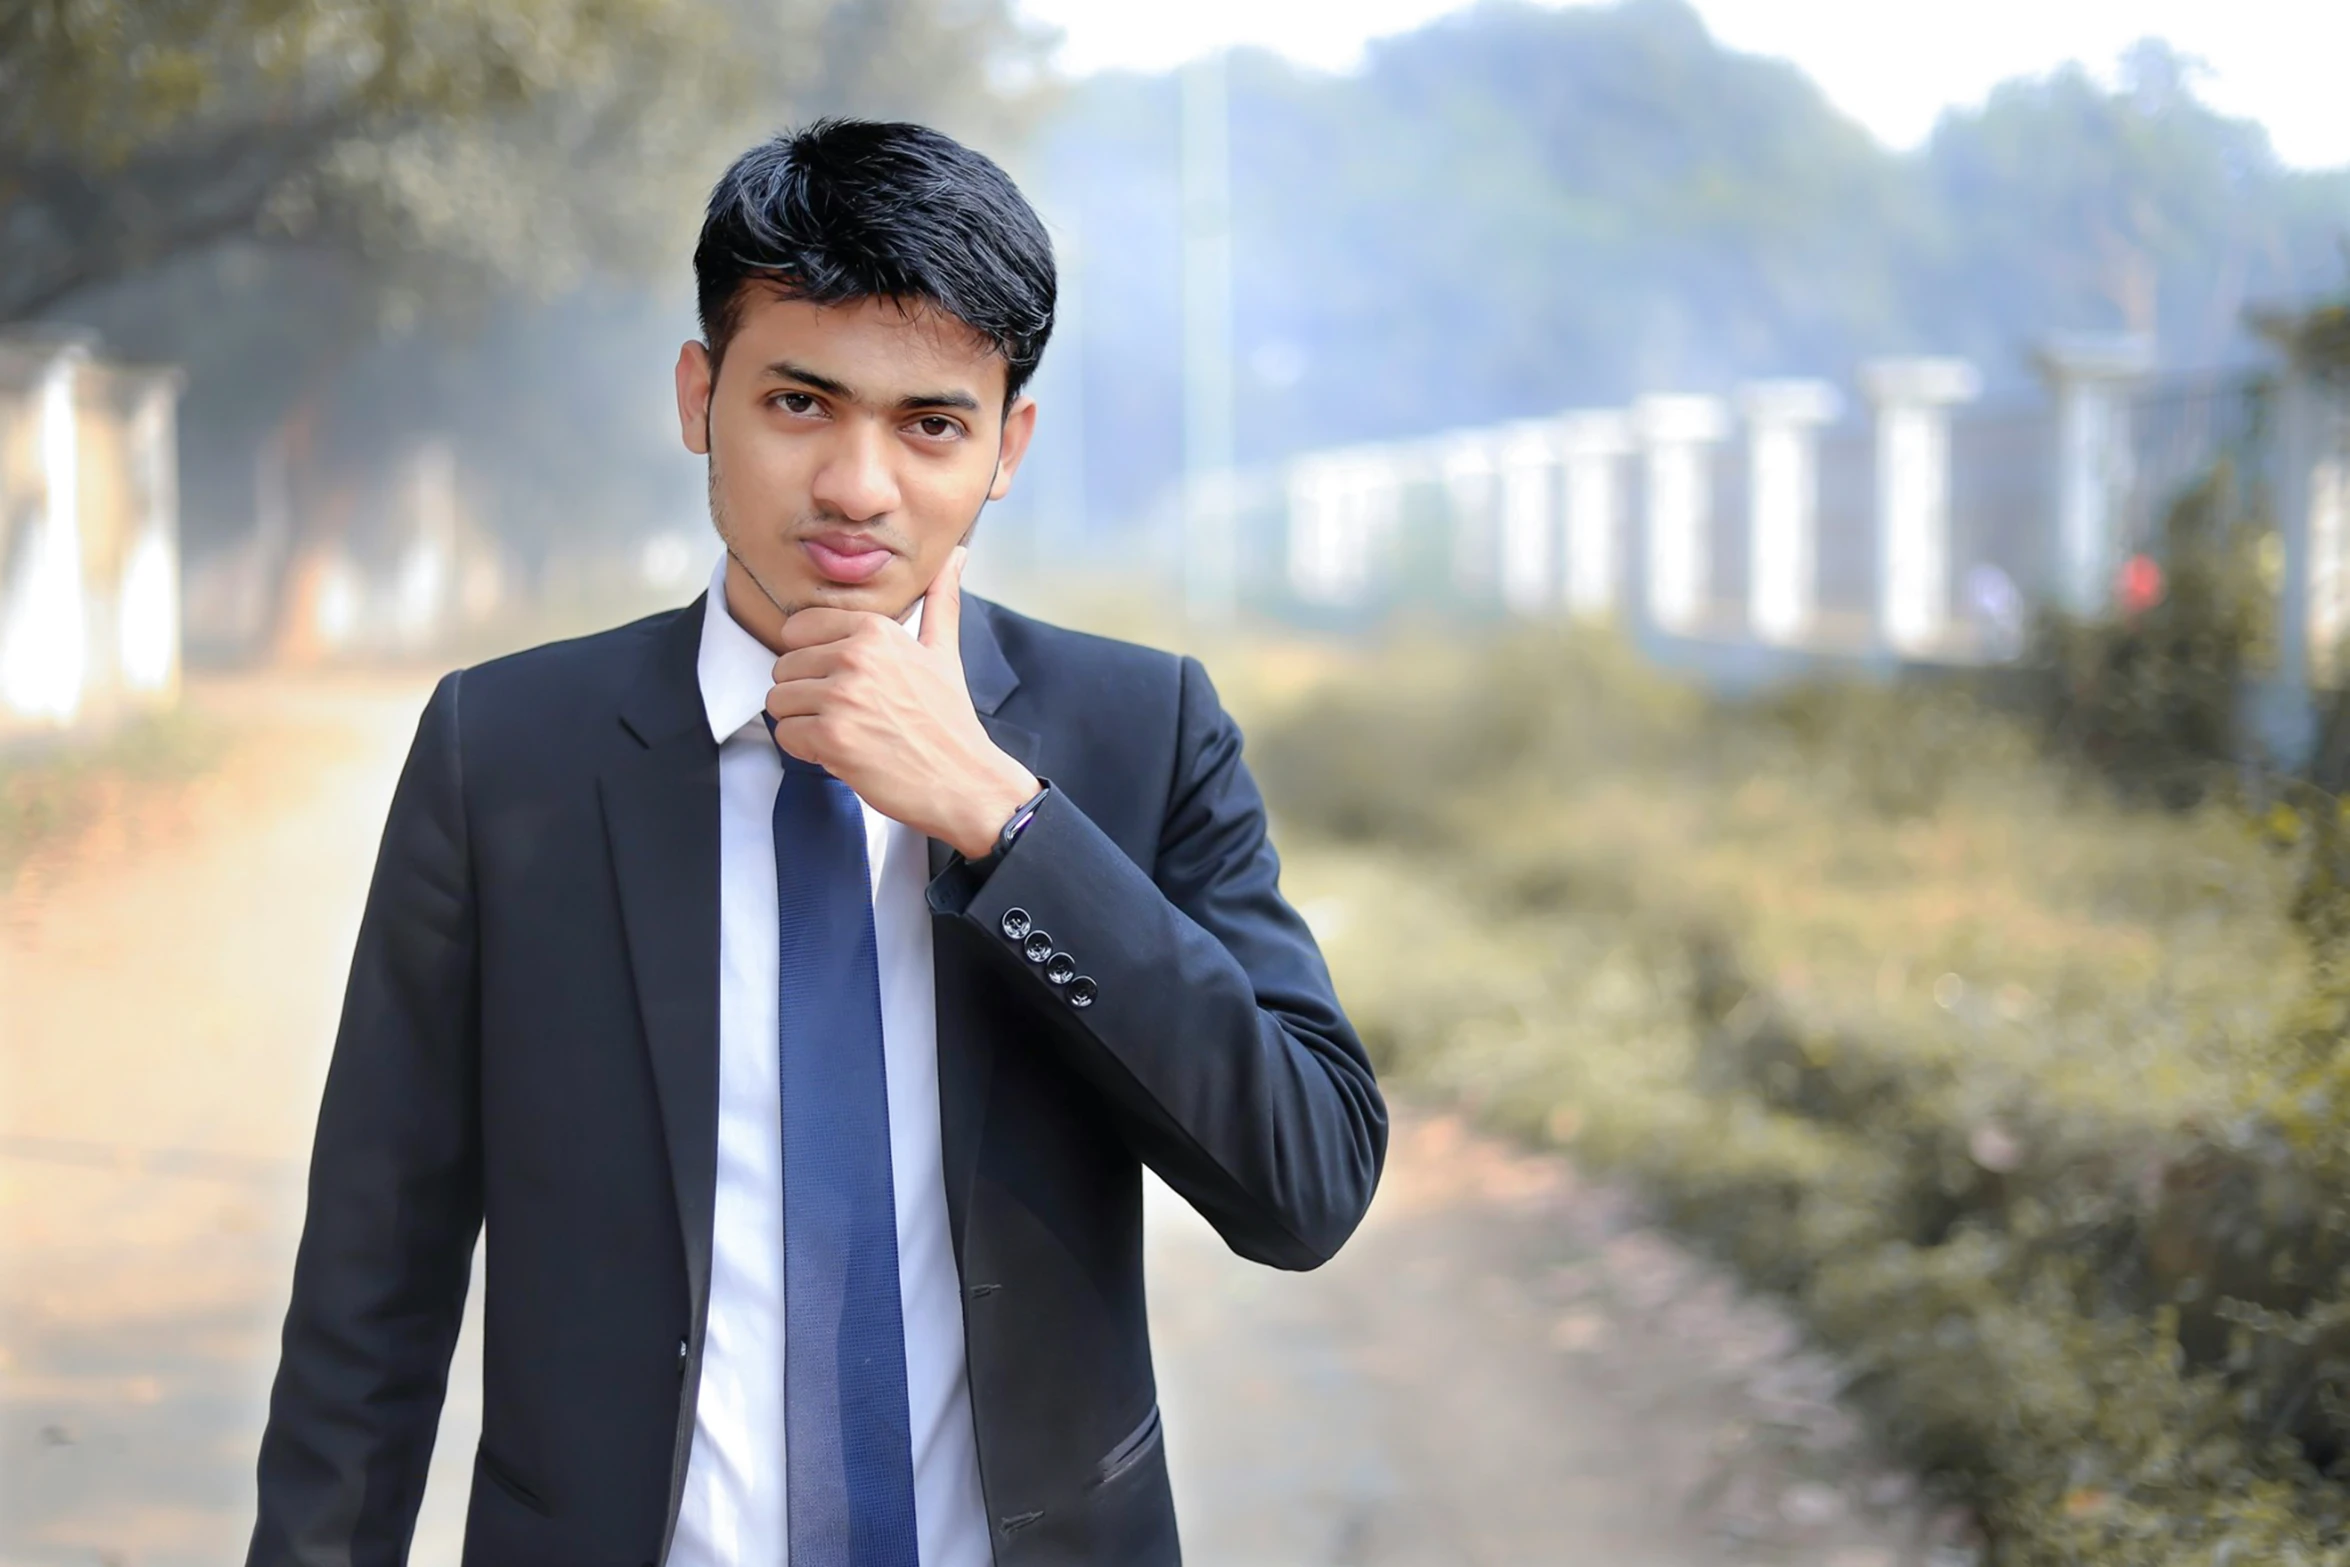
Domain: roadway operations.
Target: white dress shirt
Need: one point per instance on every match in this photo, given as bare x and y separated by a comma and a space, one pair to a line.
732, 1514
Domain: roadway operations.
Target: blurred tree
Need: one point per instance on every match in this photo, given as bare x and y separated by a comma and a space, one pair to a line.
531, 140
356, 222
133, 132
1521, 208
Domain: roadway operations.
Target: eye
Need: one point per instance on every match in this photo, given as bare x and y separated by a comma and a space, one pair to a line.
938, 427
794, 402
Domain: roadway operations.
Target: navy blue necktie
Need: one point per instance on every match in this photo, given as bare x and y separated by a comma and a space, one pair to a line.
848, 1448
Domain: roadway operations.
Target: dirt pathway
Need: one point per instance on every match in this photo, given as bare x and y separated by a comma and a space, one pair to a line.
1506, 1367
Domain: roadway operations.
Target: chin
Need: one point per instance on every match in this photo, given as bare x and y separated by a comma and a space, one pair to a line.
886, 594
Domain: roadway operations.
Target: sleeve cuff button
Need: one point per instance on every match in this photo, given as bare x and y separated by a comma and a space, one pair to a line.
1081, 991
1060, 968
1037, 947
1015, 924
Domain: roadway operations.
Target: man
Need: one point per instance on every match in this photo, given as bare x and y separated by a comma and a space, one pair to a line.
796, 1045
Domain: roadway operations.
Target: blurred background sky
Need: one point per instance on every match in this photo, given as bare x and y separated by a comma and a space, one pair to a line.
1895, 69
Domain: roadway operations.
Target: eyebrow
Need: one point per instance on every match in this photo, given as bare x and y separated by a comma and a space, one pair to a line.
785, 370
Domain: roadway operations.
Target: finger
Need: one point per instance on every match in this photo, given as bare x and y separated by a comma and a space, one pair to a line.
821, 623
820, 662
797, 735
795, 699
942, 605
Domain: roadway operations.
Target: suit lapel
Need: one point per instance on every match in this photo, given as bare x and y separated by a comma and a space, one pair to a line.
660, 804
966, 1047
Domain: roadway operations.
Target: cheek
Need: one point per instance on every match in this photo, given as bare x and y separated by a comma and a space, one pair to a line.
942, 504
759, 471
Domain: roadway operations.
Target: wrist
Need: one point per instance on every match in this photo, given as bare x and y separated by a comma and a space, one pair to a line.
988, 806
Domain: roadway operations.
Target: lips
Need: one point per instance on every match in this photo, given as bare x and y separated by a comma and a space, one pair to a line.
845, 558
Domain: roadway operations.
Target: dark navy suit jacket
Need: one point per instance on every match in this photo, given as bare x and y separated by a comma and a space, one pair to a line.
529, 1049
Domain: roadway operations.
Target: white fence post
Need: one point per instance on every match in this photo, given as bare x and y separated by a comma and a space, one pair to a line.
1469, 463
148, 619
2313, 519
1676, 433
44, 626
424, 589
1593, 444
1913, 398
2089, 379
1344, 509
1783, 503
1529, 512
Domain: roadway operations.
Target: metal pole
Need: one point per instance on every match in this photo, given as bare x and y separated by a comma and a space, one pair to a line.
1058, 541
1209, 567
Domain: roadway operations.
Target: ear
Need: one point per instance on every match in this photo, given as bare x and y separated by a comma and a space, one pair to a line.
1019, 428
693, 398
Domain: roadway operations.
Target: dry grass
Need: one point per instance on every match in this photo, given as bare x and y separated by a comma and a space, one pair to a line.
2006, 1083
50, 794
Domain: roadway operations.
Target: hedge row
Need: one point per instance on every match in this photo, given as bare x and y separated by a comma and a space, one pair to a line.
2031, 1100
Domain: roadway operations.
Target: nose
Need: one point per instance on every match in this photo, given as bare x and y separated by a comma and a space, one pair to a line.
855, 480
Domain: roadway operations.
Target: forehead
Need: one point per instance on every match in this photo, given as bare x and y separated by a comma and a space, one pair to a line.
882, 348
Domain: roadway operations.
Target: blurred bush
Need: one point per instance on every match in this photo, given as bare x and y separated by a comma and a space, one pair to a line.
2028, 1091
2151, 700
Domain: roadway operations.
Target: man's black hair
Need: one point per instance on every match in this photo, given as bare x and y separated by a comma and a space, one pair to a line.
844, 210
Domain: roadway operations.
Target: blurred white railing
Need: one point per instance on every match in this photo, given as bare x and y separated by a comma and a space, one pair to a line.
1740, 533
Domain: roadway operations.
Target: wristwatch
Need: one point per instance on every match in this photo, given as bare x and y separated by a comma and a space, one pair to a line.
1013, 826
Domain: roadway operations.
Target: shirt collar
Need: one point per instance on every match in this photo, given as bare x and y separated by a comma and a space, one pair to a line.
734, 668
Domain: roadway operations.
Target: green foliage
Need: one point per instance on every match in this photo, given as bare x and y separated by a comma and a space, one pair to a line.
135, 133
446, 142
2031, 1098
2152, 700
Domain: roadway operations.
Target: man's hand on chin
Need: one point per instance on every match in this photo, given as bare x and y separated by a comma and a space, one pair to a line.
889, 715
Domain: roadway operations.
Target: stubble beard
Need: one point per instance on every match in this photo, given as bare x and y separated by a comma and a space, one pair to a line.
723, 522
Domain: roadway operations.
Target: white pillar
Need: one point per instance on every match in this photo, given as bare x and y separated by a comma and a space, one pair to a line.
1529, 527
1343, 511
1469, 463
2089, 379
44, 626
1317, 550
148, 617
1913, 398
1783, 503
1676, 434
427, 573
2313, 519
1593, 444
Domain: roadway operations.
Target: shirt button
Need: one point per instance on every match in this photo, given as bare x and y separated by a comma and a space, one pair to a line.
1060, 968
1038, 946
1015, 924
1082, 991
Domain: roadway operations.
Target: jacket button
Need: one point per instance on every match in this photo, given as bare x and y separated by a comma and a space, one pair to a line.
1038, 946
682, 1354
1082, 991
1015, 924
1060, 968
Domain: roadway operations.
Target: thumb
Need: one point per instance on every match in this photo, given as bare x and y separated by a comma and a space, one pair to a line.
942, 606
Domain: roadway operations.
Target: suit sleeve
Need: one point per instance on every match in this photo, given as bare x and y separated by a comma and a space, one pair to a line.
394, 1197
1212, 1030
